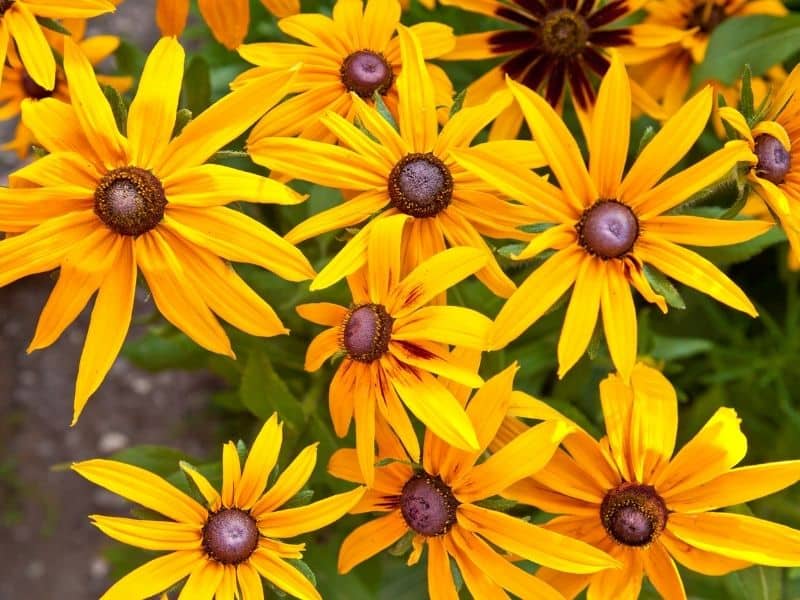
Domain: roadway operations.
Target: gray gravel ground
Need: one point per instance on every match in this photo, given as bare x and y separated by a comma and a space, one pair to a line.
48, 549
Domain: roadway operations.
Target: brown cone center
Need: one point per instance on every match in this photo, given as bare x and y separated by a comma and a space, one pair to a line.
130, 201
366, 332
706, 17
428, 505
774, 161
366, 72
230, 536
33, 89
633, 514
564, 33
420, 185
608, 229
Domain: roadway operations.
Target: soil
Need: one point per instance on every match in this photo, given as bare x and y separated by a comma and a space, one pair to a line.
48, 549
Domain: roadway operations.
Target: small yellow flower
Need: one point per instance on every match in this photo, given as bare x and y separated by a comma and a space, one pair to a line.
630, 496
393, 344
226, 546
437, 503
606, 226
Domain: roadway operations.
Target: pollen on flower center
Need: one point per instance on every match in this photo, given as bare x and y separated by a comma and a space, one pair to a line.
366, 72
420, 185
633, 514
607, 229
366, 331
130, 201
564, 33
706, 16
230, 536
774, 161
428, 505
31, 88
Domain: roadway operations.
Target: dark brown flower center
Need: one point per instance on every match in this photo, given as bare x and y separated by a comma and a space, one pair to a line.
230, 536
564, 33
420, 185
366, 332
607, 229
366, 72
428, 505
130, 201
33, 89
5, 5
633, 514
706, 15
774, 161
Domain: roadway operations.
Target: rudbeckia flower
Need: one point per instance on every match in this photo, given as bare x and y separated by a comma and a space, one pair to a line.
232, 540
438, 503
674, 36
408, 171
103, 205
606, 227
18, 23
393, 343
775, 143
356, 52
229, 20
18, 84
628, 495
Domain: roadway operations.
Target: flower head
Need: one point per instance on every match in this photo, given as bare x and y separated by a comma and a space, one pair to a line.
353, 53
630, 496
606, 227
103, 205
437, 503
408, 171
393, 344
228, 542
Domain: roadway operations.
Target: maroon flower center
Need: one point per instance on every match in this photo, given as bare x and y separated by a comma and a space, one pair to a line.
366, 332
230, 536
428, 505
5, 5
633, 514
420, 185
366, 72
130, 201
706, 16
774, 161
608, 229
564, 33
33, 89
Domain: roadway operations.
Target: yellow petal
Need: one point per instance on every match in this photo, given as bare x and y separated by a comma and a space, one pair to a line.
296, 521
56, 127
144, 488
228, 21
691, 557
364, 414
203, 581
249, 582
350, 212
735, 119
739, 536
467, 123
619, 319
617, 400
454, 325
322, 313
532, 542
663, 573
380, 128
774, 129
63, 168
151, 118
417, 107
34, 51
231, 473
699, 231
343, 386
289, 483
283, 575
384, 256
171, 16
259, 464
619, 583
155, 576
558, 238
581, 317
206, 489
282, 8
369, 539
322, 347
612, 112
151, 535
358, 141
440, 575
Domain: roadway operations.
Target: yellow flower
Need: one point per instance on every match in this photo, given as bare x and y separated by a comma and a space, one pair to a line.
18, 23
393, 343
355, 51
674, 36
410, 171
229, 20
228, 544
18, 84
628, 495
437, 503
775, 143
605, 227
102, 204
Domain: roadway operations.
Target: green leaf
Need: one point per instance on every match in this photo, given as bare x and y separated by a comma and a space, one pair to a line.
755, 583
536, 227
221, 155
761, 41
302, 498
676, 348
263, 392
497, 503
403, 545
304, 569
737, 253
511, 250
182, 119
661, 285
165, 348
156, 459
242, 450
53, 25
118, 107
647, 135
746, 102
458, 102
382, 109
197, 85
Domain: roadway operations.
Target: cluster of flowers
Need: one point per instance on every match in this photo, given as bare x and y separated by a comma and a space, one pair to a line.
127, 189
